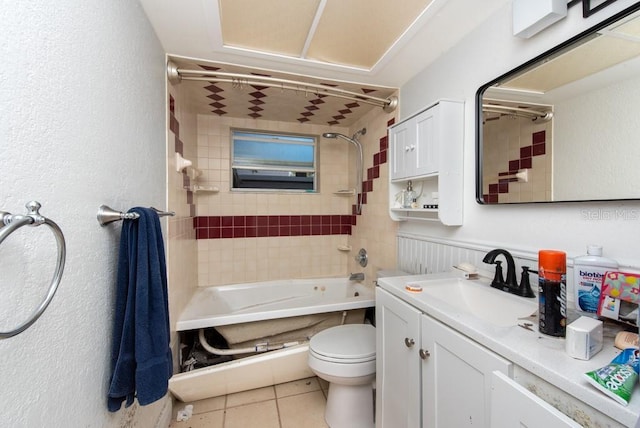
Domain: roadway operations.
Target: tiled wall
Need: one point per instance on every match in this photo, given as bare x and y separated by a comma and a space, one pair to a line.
181, 244
511, 144
247, 236
251, 226
274, 235
375, 231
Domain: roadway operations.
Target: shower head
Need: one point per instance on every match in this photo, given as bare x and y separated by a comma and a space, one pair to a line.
362, 131
344, 137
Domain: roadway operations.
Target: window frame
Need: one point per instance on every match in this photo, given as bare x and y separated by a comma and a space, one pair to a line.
314, 170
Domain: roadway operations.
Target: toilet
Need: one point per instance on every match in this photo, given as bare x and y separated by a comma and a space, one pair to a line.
345, 356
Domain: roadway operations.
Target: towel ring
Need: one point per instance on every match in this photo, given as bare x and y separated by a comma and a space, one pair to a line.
33, 218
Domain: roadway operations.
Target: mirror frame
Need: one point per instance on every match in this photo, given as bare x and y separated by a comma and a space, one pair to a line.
529, 64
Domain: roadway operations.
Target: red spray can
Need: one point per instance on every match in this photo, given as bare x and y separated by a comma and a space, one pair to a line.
552, 292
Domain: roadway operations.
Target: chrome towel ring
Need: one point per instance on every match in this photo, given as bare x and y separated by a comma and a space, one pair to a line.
8, 224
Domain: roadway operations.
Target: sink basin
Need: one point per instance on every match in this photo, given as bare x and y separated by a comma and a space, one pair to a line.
478, 299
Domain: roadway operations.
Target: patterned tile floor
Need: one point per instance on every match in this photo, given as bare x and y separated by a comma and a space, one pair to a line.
294, 404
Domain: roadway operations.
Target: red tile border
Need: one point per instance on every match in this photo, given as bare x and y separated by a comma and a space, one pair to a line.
216, 227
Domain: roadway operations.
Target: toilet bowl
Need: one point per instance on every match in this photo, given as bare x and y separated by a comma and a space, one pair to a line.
345, 356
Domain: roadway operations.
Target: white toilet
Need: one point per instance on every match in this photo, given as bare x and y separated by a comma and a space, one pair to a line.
345, 356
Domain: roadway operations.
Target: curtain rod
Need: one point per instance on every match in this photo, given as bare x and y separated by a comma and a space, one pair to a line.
523, 112
176, 75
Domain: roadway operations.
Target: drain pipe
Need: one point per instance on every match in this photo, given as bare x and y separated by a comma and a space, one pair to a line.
260, 347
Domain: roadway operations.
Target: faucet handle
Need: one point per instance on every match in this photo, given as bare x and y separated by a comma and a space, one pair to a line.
498, 279
524, 289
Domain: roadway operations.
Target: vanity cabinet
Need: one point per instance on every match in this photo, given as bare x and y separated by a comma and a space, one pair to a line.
456, 377
428, 375
426, 149
397, 363
532, 411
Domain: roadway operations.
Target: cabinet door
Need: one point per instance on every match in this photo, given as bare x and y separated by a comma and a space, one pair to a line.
397, 363
512, 405
426, 147
402, 139
456, 378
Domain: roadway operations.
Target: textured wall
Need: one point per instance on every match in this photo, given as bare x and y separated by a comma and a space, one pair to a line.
82, 101
603, 158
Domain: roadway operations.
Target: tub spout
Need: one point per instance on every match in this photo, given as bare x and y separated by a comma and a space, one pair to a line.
356, 276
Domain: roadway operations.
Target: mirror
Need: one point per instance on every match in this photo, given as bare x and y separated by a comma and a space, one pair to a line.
565, 125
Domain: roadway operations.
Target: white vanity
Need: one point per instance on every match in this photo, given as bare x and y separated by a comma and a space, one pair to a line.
447, 358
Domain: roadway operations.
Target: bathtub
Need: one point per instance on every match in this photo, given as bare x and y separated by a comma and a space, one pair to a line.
283, 310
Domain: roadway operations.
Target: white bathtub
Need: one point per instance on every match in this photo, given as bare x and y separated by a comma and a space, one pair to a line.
241, 303
243, 312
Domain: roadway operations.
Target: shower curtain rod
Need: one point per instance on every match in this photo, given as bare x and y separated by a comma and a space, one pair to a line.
522, 112
176, 75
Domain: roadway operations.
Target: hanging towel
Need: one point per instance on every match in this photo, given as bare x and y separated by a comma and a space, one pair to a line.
141, 357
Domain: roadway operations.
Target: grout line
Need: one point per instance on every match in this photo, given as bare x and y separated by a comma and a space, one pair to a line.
278, 410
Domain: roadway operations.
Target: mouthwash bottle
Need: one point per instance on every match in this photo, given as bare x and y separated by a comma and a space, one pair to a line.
588, 271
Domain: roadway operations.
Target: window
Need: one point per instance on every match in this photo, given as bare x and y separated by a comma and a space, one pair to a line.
273, 161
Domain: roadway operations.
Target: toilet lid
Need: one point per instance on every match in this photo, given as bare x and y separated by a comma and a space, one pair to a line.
346, 342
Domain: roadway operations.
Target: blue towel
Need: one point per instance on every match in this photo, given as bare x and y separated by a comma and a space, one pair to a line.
141, 357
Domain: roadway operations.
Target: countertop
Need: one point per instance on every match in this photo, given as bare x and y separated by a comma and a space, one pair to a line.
538, 353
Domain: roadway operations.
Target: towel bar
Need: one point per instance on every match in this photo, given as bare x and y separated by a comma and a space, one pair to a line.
108, 215
10, 223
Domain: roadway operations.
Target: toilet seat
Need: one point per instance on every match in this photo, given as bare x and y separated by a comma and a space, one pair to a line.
347, 344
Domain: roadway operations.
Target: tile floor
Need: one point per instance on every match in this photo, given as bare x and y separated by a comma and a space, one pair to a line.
294, 404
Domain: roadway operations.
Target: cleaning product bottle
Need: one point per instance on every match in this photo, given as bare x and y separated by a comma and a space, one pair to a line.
552, 292
587, 279
410, 195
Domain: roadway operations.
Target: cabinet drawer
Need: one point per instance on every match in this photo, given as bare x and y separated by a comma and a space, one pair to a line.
512, 405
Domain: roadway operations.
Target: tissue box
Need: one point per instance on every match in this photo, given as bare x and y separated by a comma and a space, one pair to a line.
584, 338
620, 296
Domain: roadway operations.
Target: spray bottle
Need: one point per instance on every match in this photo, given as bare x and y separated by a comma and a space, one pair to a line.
587, 279
552, 292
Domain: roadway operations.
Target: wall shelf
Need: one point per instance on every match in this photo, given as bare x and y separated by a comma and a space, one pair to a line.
426, 149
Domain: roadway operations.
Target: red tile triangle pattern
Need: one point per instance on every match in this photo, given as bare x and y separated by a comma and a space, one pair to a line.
536, 148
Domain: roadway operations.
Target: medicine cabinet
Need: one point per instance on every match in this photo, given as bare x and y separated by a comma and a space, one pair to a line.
426, 150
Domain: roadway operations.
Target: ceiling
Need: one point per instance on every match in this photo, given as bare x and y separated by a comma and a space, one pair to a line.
367, 46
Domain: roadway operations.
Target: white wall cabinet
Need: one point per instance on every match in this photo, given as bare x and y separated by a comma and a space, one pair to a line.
414, 146
428, 375
426, 148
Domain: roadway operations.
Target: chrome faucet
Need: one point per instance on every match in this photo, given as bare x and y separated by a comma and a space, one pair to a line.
356, 276
511, 284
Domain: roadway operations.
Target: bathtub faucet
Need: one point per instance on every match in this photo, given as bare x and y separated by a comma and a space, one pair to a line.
356, 276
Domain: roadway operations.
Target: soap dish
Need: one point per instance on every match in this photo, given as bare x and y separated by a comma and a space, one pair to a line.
414, 288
